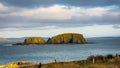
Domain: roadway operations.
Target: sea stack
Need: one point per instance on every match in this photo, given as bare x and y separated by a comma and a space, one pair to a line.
66, 38
34, 40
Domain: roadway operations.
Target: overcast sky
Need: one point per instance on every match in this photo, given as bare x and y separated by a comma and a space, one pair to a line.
46, 18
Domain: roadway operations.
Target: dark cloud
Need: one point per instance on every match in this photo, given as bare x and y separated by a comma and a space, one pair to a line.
27, 3
83, 3
89, 3
16, 21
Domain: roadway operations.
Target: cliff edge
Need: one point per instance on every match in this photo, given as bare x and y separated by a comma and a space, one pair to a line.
67, 38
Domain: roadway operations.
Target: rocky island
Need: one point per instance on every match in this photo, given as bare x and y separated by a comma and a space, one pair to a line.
32, 41
66, 38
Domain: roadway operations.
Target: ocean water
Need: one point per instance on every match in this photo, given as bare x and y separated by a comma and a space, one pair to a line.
61, 52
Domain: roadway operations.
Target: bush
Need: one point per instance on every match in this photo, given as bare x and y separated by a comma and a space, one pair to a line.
109, 56
99, 57
90, 58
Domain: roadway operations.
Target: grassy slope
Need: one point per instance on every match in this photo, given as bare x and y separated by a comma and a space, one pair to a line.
109, 63
99, 63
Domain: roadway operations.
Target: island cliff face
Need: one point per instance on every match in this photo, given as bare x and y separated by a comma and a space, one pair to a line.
67, 38
34, 40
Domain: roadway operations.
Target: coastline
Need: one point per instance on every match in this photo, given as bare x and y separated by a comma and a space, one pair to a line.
98, 61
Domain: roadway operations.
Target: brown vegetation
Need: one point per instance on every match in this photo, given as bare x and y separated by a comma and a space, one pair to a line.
108, 61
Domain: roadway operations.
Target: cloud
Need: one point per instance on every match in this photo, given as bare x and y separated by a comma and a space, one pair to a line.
54, 12
58, 16
82, 3
96, 11
116, 26
87, 31
61, 12
2, 7
28, 17
28, 28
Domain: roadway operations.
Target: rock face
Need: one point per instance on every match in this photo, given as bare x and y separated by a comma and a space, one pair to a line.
67, 38
34, 40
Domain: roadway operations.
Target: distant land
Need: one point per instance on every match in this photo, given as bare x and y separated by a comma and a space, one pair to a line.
3, 39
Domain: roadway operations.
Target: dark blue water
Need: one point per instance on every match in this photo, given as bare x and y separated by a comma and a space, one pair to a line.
60, 52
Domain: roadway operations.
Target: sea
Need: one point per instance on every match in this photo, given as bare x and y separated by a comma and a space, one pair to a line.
60, 52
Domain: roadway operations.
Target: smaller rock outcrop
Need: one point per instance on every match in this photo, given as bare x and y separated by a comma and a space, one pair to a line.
67, 38
34, 40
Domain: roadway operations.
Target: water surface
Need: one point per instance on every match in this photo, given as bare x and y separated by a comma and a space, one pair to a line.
60, 52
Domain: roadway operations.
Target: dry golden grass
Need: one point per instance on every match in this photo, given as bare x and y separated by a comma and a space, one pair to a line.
61, 65
107, 63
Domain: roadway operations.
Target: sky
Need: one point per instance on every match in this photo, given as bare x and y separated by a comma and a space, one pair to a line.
46, 18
